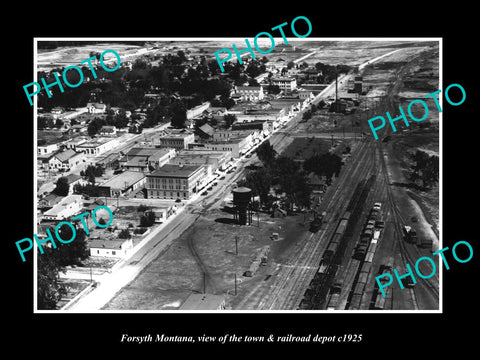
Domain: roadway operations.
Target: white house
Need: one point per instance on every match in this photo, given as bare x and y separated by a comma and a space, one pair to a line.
110, 248
96, 108
66, 159
46, 149
69, 206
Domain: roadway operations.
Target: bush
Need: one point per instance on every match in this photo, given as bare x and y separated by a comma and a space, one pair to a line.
124, 234
102, 222
147, 220
142, 208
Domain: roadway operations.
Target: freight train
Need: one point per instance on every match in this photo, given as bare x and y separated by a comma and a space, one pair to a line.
336, 238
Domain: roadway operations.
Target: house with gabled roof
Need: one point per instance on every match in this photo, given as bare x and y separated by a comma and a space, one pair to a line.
66, 159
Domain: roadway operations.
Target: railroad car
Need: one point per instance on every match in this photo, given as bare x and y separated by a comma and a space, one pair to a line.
336, 238
322, 268
333, 302
372, 247
380, 223
366, 268
362, 278
425, 243
360, 252
368, 232
369, 257
355, 302
379, 302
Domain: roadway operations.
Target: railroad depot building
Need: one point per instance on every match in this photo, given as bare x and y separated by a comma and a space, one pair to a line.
176, 181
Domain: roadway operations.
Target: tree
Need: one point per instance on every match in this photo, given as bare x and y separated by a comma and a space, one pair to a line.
58, 123
178, 115
326, 164
266, 153
142, 207
49, 290
94, 126
292, 181
75, 251
62, 187
44, 122
273, 89
148, 219
260, 181
91, 172
290, 65
88, 189
425, 168
124, 234
102, 222
307, 115
229, 120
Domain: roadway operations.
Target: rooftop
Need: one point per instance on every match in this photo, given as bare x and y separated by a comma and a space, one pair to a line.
169, 170
146, 151
72, 178
67, 154
124, 180
207, 129
253, 88
171, 134
63, 203
106, 244
95, 142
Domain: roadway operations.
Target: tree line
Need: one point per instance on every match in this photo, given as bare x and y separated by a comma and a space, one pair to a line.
288, 176
425, 168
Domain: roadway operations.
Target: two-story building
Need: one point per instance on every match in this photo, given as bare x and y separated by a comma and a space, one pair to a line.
178, 140
66, 160
249, 93
286, 84
175, 181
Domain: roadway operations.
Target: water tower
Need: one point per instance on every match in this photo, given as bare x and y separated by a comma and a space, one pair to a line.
241, 201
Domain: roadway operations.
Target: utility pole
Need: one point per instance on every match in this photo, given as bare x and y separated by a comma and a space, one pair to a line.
204, 282
235, 284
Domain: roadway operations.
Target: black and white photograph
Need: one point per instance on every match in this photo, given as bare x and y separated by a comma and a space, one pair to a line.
257, 183
215, 180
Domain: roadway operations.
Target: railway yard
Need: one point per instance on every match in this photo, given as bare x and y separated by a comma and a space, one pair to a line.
362, 233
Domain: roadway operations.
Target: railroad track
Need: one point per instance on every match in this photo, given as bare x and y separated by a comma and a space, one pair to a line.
209, 285
430, 284
325, 280
288, 290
